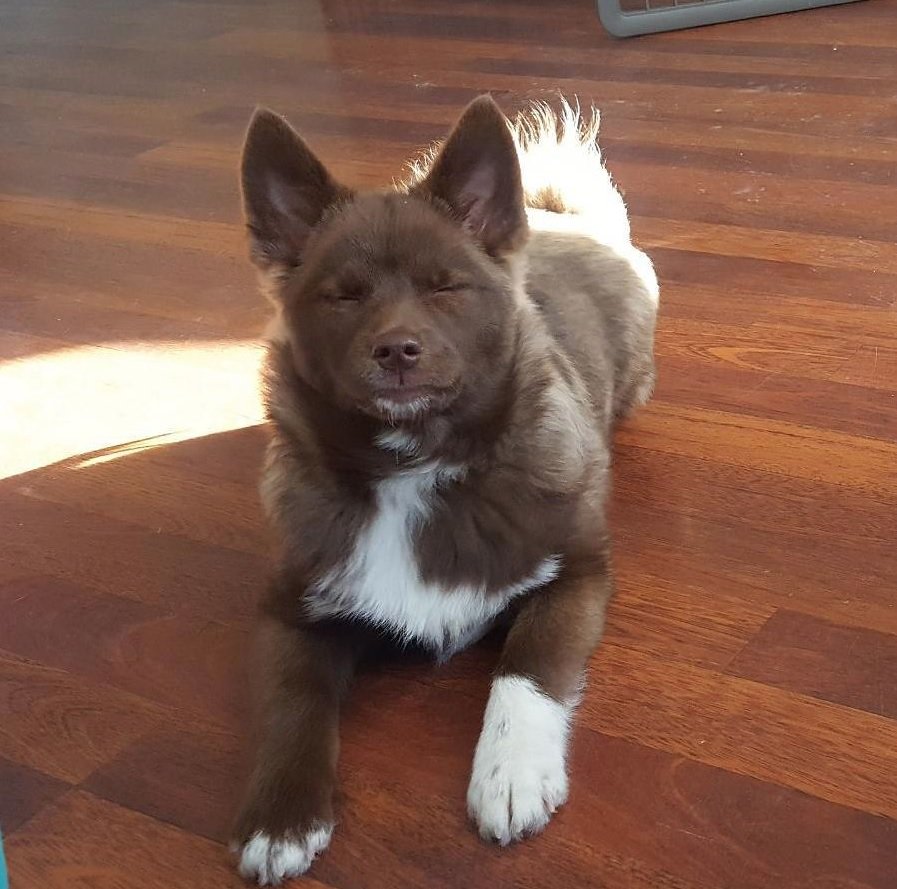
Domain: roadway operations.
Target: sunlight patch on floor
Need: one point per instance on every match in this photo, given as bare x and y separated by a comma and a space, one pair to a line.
119, 397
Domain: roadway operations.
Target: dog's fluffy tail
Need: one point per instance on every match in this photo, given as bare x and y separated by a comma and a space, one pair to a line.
566, 186
563, 172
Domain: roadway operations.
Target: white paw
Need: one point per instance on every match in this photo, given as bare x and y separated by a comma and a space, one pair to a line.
270, 861
519, 774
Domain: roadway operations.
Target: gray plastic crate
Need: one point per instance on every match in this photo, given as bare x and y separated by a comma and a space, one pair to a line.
628, 18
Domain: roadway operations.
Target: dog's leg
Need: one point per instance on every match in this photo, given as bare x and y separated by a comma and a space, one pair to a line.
519, 770
287, 817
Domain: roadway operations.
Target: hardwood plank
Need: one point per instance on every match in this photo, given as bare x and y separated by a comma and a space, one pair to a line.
734, 558
810, 656
111, 294
787, 350
236, 457
812, 248
39, 111
65, 726
748, 294
387, 52
672, 620
120, 226
723, 829
83, 839
821, 749
713, 75
357, 160
811, 454
193, 665
797, 508
190, 777
712, 560
779, 112
846, 406
130, 560
228, 514
25, 792
118, 185
737, 548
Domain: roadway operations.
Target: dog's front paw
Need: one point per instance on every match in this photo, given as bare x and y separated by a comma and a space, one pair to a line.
519, 774
284, 824
269, 860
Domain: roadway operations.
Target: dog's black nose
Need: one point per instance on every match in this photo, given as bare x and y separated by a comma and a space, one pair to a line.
397, 352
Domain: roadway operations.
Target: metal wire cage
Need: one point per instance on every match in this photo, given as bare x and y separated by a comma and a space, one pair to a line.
629, 18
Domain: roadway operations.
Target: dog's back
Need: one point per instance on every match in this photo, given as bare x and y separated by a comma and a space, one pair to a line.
597, 292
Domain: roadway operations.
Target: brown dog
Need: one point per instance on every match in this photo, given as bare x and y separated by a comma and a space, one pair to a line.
445, 366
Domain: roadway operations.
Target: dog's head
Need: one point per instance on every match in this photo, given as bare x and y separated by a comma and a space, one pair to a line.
400, 304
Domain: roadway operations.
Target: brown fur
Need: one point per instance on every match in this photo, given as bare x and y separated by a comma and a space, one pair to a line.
518, 387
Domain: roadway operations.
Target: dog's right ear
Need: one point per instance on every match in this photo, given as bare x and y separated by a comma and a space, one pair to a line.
286, 190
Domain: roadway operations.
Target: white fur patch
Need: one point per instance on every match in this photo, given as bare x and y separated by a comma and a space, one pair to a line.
559, 157
403, 410
399, 440
270, 861
380, 580
519, 776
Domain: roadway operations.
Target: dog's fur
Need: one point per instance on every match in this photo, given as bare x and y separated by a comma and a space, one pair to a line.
446, 362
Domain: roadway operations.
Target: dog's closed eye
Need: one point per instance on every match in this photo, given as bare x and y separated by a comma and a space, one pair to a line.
344, 292
446, 284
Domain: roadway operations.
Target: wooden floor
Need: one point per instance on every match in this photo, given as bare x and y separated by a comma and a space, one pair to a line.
740, 729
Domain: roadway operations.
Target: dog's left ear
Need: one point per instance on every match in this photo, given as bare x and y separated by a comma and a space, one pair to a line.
478, 175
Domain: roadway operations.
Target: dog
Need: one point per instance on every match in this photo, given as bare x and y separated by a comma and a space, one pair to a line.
446, 362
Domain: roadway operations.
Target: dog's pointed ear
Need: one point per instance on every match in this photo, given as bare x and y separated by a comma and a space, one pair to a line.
286, 190
477, 174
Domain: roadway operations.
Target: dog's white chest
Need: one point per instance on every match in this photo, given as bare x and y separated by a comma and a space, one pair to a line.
380, 580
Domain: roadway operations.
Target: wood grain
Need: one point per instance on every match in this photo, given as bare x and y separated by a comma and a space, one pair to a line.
193, 665
81, 839
25, 792
845, 665
740, 729
63, 726
129, 559
180, 775
746, 727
